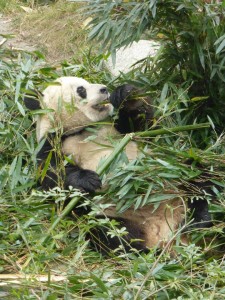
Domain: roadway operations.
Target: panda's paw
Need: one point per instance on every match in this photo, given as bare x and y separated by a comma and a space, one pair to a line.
121, 94
84, 180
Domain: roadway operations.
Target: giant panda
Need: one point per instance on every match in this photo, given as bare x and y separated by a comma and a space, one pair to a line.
146, 227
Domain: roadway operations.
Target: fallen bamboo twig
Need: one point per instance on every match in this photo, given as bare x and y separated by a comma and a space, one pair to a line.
6, 279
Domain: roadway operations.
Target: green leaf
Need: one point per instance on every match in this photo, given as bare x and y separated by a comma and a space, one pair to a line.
138, 202
95, 31
100, 283
164, 92
125, 189
46, 166
168, 175
159, 197
221, 47
200, 54
199, 98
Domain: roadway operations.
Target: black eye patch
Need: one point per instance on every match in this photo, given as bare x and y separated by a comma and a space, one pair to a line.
81, 91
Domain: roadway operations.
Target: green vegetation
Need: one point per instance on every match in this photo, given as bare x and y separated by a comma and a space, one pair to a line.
186, 81
8, 5
188, 68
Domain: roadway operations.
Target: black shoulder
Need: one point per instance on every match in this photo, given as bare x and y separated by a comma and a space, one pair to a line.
31, 100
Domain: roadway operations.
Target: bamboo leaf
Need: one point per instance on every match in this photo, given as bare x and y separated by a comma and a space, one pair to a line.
46, 166
221, 47
200, 54
99, 283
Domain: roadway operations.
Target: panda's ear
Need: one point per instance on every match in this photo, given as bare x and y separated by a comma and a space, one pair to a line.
31, 100
81, 91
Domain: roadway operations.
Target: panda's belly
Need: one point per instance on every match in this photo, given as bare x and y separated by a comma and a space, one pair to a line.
88, 153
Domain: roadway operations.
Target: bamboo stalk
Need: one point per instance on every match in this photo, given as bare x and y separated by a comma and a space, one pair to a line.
152, 133
64, 213
125, 140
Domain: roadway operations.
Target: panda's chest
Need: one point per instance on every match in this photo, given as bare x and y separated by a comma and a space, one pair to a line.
88, 149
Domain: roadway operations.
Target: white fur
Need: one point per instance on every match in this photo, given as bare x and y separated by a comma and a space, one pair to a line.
70, 112
88, 153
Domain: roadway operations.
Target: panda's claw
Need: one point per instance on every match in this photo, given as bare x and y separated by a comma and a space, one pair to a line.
84, 180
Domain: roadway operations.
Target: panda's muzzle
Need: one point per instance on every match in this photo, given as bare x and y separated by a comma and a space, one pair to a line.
100, 106
105, 93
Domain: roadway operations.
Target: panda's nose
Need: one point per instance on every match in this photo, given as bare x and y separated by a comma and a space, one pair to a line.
104, 90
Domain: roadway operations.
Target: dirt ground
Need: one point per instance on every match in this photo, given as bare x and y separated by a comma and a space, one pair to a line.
55, 30
11, 38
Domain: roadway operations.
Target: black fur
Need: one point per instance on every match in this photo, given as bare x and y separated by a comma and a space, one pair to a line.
84, 180
121, 94
135, 113
135, 237
199, 210
53, 174
104, 91
71, 175
81, 91
30, 100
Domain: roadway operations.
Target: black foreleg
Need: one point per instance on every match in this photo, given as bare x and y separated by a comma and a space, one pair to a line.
50, 157
84, 180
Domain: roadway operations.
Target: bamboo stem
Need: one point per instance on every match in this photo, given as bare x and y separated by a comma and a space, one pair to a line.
64, 213
8, 279
119, 147
152, 133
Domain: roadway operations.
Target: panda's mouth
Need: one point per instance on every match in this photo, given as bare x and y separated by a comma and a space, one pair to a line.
100, 106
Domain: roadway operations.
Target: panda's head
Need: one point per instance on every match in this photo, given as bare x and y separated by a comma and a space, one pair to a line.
73, 104
81, 102
82, 92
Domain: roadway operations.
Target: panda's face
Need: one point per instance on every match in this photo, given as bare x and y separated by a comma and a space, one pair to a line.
92, 94
79, 91
75, 103
90, 100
